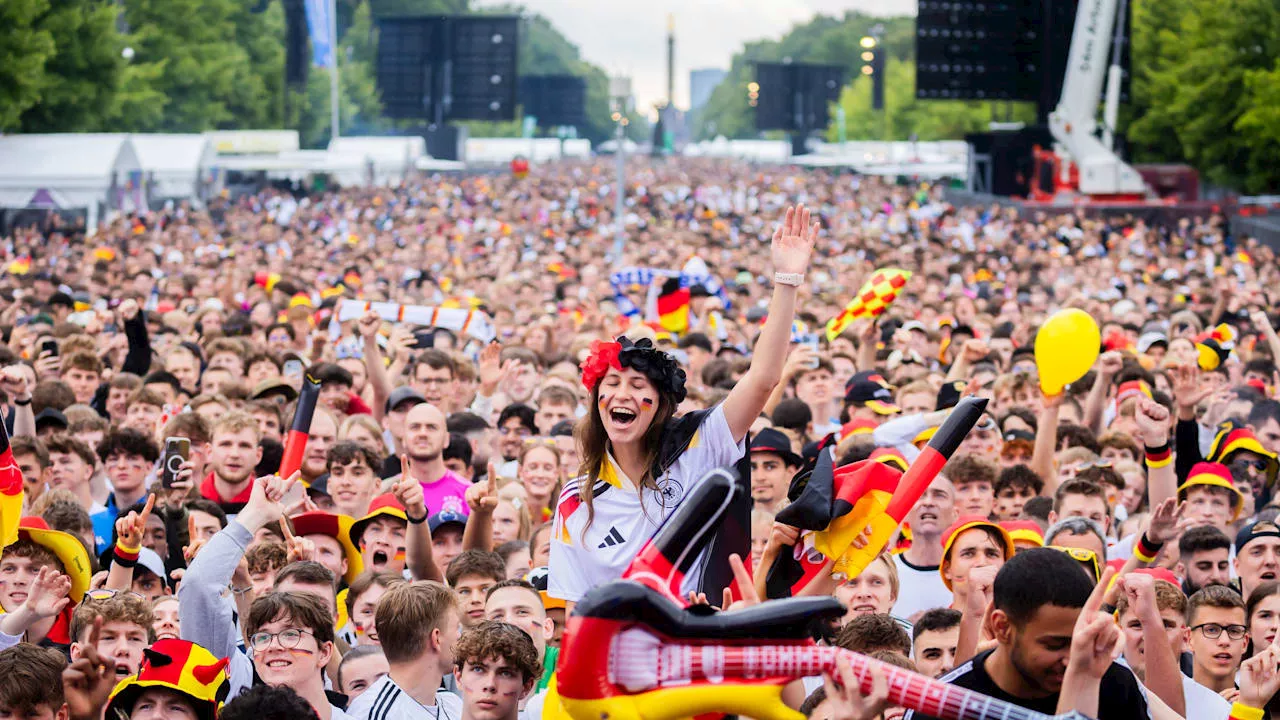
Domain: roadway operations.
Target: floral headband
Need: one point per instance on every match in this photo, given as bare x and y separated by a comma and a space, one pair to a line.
640, 356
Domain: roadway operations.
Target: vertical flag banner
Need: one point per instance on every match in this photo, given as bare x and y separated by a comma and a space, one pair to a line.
318, 28
875, 296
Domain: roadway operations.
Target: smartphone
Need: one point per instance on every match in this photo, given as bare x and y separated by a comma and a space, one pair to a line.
423, 339
176, 451
812, 341
293, 368
49, 346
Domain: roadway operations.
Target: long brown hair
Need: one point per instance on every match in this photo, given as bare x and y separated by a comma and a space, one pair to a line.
593, 444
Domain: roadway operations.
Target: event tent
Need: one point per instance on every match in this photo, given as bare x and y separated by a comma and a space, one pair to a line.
91, 172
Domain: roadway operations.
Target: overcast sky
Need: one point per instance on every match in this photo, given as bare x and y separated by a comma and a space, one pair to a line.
628, 37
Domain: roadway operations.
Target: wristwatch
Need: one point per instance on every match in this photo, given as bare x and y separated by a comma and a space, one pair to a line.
792, 279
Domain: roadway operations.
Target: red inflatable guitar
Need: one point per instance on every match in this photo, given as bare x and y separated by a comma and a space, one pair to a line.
632, 651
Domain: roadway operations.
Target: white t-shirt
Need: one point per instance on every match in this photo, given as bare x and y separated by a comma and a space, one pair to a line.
385, 700
919, 588
583, 556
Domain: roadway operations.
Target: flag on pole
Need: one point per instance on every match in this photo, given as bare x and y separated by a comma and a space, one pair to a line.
318, 29
673, 307
876, 295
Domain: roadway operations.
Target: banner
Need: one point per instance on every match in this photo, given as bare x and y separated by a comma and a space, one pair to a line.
472, 323
318, 29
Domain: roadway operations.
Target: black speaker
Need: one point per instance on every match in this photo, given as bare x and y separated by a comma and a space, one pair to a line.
483, 77
795, 96
409, 59
554, 99
1012, 161
977, 50
297, 61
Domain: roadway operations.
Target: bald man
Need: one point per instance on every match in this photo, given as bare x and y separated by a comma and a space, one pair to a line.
425, 438
322, 436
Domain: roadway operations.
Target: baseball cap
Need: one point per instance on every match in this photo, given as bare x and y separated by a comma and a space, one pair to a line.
51, 417
274, 386
915, 325
949, 394
402, 395
1255, 530
869, 388
446, 517
1148, 340
386, 505
1027, 531
1019, 434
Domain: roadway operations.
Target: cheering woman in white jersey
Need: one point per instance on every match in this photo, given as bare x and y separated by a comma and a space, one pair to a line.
638, 460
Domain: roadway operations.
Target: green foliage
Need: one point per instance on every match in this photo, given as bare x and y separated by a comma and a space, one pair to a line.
904, 115
25, 48
360, 108
83, 75
1207, 88
824, 39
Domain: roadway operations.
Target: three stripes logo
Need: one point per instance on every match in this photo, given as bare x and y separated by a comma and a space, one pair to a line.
613, 538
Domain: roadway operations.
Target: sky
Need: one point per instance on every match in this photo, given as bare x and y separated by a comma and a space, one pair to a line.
628, 37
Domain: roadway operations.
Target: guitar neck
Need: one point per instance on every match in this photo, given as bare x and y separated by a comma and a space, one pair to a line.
679, 664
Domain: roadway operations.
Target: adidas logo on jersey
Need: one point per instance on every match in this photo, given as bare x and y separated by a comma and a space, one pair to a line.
613, 538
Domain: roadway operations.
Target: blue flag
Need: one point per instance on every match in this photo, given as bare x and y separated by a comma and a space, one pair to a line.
318, 27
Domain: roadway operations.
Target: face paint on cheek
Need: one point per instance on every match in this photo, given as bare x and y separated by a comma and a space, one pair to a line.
400, 555
646, 404
604, 401
300, 653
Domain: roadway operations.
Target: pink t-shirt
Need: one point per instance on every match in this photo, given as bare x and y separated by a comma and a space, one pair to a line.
447, 493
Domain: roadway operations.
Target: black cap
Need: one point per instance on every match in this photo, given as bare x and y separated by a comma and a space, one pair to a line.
63, 299
1253, 531
871, 389
1019, 434
51, 417
774, 441
402, 395
949, 394
446, 517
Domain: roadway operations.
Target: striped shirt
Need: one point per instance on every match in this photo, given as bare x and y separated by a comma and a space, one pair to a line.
385, 700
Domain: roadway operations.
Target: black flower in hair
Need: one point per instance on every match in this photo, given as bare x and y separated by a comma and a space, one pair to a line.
659, 366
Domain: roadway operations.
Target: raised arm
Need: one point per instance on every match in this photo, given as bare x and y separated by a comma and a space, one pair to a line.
1047, 442
373, 364
792, 245
1153, 426
1109, 363
482, 498
1263, 325
418, 554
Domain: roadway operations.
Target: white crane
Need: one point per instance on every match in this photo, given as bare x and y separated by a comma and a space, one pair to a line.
1086, 162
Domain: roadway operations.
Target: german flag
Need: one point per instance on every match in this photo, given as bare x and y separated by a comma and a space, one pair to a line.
10, 492
673, 307
266, 281
20, 265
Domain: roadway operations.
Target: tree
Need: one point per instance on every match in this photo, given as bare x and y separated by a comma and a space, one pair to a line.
82, 77
359, 108
1207, 81
24, 50
207, 77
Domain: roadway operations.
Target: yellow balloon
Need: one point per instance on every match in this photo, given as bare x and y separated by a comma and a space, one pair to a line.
1066, 347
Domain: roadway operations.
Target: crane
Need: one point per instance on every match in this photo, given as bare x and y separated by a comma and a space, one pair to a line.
1083, 159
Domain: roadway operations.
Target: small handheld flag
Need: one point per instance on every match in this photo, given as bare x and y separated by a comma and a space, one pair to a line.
875, 296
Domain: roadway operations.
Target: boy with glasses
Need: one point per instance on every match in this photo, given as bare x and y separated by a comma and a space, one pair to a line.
1217, 635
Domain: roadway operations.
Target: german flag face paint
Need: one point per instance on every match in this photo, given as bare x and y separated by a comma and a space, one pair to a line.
646, 404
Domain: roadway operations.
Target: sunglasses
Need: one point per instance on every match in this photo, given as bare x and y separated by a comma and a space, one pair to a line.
547, 441
1087, 558
107, 593
1101, 463
1258, 465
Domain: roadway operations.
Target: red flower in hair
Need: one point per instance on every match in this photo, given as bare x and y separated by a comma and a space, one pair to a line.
604, 355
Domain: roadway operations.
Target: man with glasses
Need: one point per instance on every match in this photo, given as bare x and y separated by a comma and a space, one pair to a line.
291, 638
432, 374
127, 455
515, 423
1217, 635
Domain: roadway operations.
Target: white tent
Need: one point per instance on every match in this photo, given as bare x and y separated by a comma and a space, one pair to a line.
177, 165
94, 172
392, 157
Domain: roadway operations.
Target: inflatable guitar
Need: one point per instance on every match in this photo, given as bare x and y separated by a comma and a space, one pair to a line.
632, 651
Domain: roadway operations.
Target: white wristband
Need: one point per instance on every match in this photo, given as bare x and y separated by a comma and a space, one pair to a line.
792, 279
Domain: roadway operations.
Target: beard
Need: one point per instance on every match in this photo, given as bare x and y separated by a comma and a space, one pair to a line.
424, 457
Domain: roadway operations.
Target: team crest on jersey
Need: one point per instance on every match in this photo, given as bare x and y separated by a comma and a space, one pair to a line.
671, 490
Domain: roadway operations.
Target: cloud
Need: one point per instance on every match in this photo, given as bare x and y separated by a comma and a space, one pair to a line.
629, 38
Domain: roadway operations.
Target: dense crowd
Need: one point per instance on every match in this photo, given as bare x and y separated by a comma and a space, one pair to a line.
1113, 549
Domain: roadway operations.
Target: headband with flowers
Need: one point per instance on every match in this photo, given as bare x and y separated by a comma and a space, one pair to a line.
660, 367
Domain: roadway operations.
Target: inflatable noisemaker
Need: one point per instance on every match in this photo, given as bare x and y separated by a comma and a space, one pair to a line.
10, 491
840, 504
630, 651
295, 444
